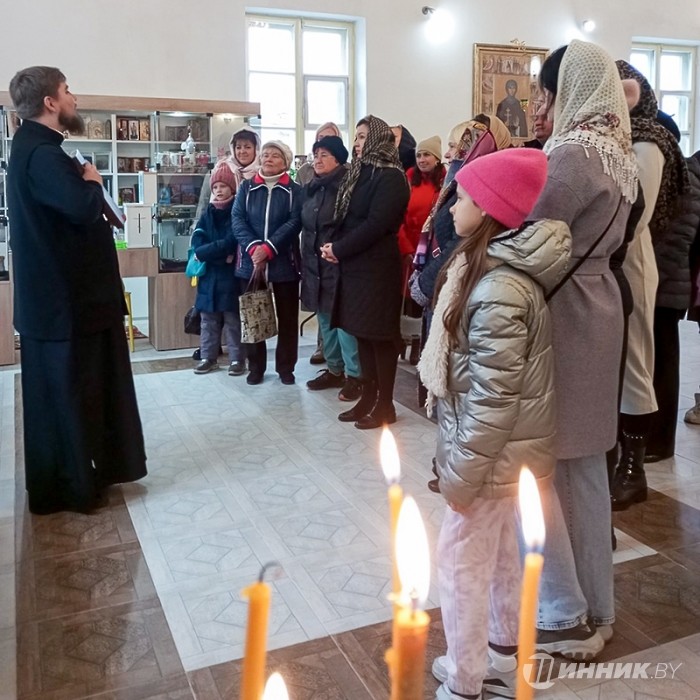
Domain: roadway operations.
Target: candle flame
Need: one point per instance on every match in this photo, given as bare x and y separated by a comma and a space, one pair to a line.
389, 454
412, 554
531, 511
275, 689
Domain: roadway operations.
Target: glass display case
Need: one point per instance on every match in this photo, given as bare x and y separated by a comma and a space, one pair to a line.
183, 158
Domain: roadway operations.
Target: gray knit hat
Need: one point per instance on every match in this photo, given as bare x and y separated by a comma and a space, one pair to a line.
283, 149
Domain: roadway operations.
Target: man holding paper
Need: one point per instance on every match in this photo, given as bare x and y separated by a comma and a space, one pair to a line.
82, 430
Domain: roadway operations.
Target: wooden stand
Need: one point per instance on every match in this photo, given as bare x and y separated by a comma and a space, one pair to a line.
138, 262
7, 333
170, 296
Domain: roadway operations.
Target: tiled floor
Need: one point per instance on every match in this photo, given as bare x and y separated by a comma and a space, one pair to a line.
142, 599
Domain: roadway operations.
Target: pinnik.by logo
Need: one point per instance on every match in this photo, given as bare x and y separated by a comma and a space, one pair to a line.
541, 669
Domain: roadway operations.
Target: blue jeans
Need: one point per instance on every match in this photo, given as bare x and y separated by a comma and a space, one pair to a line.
339, 348
210, 339
577, 578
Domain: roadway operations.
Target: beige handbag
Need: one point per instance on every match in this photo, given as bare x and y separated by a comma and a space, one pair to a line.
257, 310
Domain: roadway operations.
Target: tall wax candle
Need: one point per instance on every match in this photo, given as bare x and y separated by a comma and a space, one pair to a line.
406, 658
533, 533
391, 466
253, 679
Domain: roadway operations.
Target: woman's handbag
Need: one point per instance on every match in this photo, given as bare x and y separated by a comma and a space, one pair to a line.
258, 319
195, 268
193, 322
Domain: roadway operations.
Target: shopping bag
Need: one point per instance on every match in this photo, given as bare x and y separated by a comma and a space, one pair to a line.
410, 326
193, 322
257, 311
195, 268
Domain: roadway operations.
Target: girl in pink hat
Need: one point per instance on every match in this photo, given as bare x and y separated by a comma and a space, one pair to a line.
488, 365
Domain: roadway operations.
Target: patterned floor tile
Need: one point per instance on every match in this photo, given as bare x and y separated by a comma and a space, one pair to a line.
102, 650
315, 670
326, 530
73, 532
66, 584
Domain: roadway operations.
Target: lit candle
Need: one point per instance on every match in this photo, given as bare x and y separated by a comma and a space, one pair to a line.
533, 534
406, 658
391, 466
275, 689
253, 679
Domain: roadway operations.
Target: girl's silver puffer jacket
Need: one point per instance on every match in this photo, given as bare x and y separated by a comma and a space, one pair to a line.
497, 412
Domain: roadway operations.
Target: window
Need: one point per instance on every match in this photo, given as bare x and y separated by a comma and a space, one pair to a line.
669, 69
301, 73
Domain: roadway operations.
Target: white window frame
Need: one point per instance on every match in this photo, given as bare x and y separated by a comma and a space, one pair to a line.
301, 79
656, 50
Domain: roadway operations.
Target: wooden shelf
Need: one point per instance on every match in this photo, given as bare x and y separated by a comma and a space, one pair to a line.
7, 334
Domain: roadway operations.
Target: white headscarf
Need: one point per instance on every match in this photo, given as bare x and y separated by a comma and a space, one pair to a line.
591, 110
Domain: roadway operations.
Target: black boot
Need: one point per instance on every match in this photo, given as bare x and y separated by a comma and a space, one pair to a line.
364, 405
629, 483
383, 413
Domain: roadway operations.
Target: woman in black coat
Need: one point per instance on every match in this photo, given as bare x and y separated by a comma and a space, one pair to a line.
370, 207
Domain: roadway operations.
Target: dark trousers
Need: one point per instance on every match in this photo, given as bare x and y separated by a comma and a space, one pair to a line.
662, 437
378, 360
286, 296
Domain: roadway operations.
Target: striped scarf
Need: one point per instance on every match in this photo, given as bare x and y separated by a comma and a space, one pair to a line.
379, 151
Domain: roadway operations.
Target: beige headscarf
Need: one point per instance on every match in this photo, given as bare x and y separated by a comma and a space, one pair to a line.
591, 110
500, 131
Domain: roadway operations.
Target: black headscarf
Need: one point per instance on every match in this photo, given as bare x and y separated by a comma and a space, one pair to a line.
645, 128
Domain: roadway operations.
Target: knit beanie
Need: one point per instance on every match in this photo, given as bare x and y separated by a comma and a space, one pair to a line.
222, 173
334, 145
283, 149
506, 184
433, 145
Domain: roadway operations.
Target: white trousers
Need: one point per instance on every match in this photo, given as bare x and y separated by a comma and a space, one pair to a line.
480, 577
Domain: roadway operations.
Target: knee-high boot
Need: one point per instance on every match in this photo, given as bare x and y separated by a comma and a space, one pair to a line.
629, 483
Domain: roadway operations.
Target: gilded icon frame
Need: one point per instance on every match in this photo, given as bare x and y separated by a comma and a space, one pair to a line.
497, 67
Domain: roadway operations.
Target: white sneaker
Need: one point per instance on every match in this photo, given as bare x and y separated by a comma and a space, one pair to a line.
605, 631
693, 414
500, 675
444, 693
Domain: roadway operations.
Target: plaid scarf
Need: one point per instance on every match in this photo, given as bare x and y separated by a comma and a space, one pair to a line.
379, 151
674, 177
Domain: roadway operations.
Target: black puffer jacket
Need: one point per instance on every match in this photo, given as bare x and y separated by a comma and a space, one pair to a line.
672, 251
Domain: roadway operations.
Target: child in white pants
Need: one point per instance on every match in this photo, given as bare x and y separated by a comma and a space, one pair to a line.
488, 363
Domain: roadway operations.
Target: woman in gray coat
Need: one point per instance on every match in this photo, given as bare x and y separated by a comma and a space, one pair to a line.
591, 184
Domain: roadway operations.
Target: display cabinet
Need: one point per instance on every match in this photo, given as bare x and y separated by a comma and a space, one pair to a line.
7, 334
183, 155
4, 233
175, 139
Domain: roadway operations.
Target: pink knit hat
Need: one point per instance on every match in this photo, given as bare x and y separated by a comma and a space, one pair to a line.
222, 173
506, 184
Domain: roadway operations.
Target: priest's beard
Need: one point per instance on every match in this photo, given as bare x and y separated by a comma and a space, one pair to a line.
72, 123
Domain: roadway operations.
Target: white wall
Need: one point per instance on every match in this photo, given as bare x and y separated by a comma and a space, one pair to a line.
167, 48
